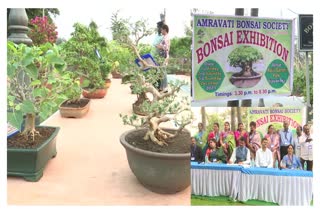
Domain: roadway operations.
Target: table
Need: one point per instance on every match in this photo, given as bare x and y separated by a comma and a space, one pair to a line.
215, 179
284, 187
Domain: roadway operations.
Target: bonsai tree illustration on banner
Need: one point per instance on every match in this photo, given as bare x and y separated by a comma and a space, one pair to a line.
244, 57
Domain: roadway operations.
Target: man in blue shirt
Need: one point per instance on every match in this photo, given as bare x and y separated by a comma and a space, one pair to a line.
286, 138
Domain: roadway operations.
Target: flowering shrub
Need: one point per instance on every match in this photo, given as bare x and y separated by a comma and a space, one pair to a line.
42, 31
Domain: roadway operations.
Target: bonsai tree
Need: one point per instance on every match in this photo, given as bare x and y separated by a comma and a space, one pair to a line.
81, 56
164, 107
29, 71
243, 57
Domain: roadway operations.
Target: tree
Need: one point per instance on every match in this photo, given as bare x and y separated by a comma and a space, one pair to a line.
243, 57
33, 12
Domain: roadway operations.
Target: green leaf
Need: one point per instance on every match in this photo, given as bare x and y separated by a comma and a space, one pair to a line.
15, 118
32, 71
54, 59
39, 92
27, 59
11, 68
27, 107
35, 82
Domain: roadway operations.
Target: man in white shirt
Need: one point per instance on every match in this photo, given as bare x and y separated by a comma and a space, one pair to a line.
264, 155
297, 149
306, 143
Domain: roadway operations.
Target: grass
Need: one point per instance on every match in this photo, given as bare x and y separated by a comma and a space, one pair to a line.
225, 201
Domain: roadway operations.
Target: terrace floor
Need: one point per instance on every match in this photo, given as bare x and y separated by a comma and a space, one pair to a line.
91, 166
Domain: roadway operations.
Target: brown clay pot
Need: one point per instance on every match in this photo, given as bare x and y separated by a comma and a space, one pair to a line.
75, 112
158, 172
108, 83
97, 94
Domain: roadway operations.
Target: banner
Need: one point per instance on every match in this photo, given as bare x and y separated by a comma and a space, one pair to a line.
241, 57
275, 116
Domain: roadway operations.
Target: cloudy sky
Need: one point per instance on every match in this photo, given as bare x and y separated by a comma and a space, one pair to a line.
177, 18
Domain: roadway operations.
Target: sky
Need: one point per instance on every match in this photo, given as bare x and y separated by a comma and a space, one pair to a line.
176, 19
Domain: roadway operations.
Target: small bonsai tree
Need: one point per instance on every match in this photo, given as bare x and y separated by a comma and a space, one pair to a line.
29, 71
244, 57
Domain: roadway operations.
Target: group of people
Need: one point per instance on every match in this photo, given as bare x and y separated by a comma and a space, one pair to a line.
277, 149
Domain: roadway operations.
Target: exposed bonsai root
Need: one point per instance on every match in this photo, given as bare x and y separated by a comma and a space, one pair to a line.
32, 133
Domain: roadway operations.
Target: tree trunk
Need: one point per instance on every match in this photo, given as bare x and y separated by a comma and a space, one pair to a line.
239, 114
233, 118
203, 117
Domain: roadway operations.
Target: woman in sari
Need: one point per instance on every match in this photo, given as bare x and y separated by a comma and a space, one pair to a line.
241, 132
227, 139
273, 144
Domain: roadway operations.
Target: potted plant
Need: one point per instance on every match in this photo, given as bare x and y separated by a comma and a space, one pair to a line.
74, 106
158, 156
244, 57
29, 70
81, 57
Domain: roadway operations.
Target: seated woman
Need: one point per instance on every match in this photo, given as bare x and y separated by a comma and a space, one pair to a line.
214, 154
290, 161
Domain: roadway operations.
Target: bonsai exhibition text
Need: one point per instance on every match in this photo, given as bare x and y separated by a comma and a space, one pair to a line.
242, 37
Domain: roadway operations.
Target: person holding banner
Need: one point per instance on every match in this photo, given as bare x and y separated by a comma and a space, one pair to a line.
240, 155
290, 161
241, 132
264, 155
286, 138
227, 139
306, 142
273, 144
254, 142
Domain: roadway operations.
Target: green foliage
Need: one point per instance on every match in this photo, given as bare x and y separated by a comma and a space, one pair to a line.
299, 83
80, 55
120, 58
244, 55
30, 71
119, 27
180, 47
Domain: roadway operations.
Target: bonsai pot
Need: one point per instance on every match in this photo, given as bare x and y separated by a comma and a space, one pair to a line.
108, 83
97, 94
30, 163
245, 82
75, 110
116, 75
158, 172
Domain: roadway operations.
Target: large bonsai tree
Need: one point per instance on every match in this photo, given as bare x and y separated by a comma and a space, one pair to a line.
34, 87
244, 57
162, 107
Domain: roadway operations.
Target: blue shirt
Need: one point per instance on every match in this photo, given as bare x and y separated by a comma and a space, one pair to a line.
286, 137
293, 163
